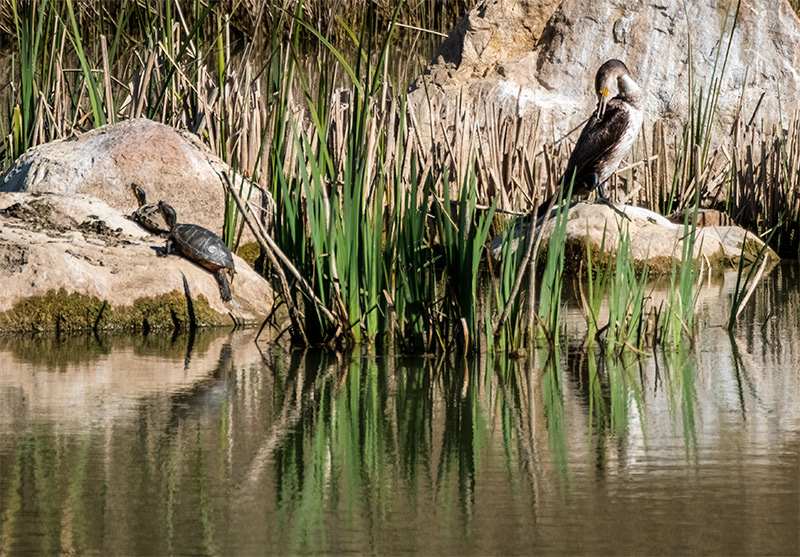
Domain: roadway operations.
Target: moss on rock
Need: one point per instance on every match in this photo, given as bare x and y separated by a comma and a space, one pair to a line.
249, 252
59, 310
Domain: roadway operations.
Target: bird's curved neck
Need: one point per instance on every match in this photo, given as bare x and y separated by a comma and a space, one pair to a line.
629, 91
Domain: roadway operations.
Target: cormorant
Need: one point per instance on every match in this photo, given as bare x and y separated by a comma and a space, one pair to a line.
607, 136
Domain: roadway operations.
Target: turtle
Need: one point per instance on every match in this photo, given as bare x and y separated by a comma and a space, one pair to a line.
200, 245
148, 215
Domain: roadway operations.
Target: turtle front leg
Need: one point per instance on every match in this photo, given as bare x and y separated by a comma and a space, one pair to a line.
224, 287
166, 249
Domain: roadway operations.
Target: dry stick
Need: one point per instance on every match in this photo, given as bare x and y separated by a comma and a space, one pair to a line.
112, 117
275, 253
414, 28
140, 95
296, 318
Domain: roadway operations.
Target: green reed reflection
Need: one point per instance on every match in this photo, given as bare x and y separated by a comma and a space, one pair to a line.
680, 367
553, 401
301, 452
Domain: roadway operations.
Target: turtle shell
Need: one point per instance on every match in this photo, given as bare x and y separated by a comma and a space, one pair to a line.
150, 217
202, 246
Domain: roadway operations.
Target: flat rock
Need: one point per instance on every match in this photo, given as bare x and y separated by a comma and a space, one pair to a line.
653, 239
102, 163
74, 262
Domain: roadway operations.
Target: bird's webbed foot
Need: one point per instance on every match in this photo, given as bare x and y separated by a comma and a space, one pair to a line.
604, 199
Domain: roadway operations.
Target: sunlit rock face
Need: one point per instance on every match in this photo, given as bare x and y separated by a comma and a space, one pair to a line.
653, 239
73, 262
103, 163
538, 59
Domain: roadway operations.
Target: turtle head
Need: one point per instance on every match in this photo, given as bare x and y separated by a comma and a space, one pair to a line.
169, 214
139, 193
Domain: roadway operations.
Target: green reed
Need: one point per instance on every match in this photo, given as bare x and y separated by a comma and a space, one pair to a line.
511, 337
683, 292
339, 198
410, 263
31, 26
463, 233
627, 299
549, 311
92, 86
692, 152
598, 278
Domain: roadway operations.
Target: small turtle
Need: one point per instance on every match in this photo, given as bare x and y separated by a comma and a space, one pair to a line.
148, 215
199, 245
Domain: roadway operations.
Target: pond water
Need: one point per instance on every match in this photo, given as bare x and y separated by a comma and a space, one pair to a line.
213, 444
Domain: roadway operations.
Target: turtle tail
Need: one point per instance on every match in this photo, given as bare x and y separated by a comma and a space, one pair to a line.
224, 287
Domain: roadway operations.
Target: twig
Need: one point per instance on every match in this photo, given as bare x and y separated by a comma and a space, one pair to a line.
421, 29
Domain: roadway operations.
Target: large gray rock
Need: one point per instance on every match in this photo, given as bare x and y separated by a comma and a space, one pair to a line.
103, 163
538, 58
653, 239
72, 262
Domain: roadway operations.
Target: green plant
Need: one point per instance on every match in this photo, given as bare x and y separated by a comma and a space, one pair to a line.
463, 233
598, 279
626, 298
410, 263
549, 312
32, 23
511, 336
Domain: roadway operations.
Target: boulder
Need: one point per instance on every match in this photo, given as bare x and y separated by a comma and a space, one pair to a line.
102, 163
537, 59
74, 262
653, 239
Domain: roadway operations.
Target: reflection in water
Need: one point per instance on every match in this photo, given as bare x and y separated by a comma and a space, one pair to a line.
208, 445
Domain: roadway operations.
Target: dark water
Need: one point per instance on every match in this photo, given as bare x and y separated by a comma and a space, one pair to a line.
209, 445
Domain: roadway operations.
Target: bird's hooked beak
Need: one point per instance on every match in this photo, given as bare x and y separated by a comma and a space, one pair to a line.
601, 106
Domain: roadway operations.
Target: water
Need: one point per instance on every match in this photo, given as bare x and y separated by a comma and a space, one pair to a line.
209, 444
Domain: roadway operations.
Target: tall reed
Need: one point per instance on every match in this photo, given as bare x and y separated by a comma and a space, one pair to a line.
410, 262
463, 233
549, 310
511, 336
626, 299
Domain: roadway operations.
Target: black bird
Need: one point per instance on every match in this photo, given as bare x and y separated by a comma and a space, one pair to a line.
607, 136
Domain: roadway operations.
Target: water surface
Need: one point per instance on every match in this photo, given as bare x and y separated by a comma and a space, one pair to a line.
213, 444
